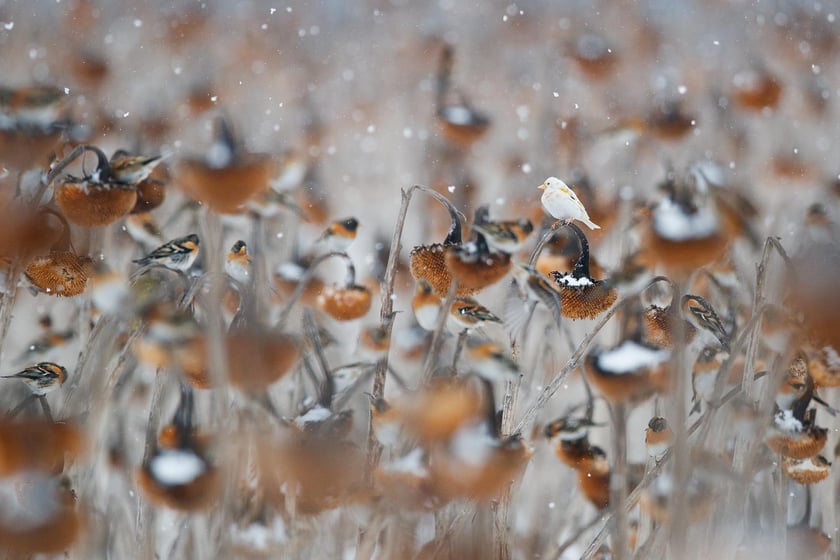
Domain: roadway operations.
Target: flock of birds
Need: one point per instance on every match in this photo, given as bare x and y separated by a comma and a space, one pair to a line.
249, 432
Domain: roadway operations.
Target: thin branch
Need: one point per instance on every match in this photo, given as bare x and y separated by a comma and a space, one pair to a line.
545, 239
437, 336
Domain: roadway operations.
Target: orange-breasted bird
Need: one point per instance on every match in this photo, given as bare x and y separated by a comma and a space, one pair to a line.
41, 378
658, 437
703, 316
339, 235
238, 263
467, 313
178, 254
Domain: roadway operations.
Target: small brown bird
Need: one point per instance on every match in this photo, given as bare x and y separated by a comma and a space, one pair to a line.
466, 314
658, 437
131, 170
238, 263
506, 236
703, 317
178, 254
41, 378
339, 235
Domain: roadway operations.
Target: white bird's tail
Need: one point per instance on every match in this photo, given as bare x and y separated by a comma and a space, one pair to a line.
590, 223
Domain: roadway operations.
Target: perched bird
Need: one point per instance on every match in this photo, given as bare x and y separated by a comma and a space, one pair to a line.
489, 361
426, 306
703, 316
506, 236
466, 313
562, 203
41, 378
658, 437
339, 235
178, 254
131, 170
238, 263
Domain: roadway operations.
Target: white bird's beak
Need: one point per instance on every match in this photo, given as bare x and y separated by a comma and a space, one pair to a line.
542, 187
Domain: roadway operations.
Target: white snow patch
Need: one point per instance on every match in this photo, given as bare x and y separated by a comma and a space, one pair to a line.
631, 356
808, 465
571, 281
258, 536
219, 155
457, 114
671, 222
290, 271
313, 415
786, 422
176, 466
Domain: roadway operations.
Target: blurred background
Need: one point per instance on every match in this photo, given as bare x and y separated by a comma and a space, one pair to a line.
365, 96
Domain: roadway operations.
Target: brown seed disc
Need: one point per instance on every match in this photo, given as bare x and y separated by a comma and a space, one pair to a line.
428, 262
799, 446
94, 205
150, 194
806, 471
474, 276
55, 535
586, 302
682, 256
226, 189
462, 135
345, 304
256, 359
62, 274
660, 326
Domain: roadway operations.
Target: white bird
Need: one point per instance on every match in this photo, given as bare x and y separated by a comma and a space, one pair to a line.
562, 203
